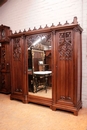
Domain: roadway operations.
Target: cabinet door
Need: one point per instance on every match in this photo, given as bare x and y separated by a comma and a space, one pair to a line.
5, 83
5, 57
18, 66
64, 60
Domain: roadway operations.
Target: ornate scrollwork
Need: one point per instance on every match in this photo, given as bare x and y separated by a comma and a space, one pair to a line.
65, 46
16, 49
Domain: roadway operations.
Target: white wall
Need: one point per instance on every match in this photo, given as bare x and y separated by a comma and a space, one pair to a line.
84, 54
25, 14
20, 14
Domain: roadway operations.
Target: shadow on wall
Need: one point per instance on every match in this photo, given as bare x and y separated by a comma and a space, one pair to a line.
2, 2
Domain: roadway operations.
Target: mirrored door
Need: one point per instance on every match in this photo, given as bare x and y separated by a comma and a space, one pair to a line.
39, 65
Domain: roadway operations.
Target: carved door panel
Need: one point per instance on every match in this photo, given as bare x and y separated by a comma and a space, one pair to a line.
5, 58
18, 66
64, 49
0, 80
5, 85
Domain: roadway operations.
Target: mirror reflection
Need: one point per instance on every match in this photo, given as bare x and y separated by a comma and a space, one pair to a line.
39, 65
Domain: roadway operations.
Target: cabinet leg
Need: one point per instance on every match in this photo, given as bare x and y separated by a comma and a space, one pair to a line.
53, 108
25, 99
76, 113
11, 98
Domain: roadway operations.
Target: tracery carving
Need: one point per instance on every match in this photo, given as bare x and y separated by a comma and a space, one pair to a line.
16, 49
65, 46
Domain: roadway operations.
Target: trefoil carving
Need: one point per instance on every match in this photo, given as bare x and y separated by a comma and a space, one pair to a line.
16, 49
65, 46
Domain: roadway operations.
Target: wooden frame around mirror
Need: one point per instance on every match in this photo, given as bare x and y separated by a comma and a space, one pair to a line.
40, 49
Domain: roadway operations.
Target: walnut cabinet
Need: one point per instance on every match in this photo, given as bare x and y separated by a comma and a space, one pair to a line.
65, 63
68, 70
5, 77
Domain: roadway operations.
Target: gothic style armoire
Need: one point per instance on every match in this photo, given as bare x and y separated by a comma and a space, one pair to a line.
5, 77
65, 61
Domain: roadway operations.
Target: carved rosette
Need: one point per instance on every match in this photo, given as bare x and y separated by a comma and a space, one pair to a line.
65, 46
16, 49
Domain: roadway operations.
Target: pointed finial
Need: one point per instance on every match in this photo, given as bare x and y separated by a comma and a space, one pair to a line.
24, 30
59, 24
15, 32
66, 23
52, 25
34, 28
75, 20
29, 29
40, 27
19, 31
46, 26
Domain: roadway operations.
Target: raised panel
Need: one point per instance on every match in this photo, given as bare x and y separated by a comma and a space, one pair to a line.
5, 57
5, 79
5, 86
78, 66
65, 66
17, 66
18, 69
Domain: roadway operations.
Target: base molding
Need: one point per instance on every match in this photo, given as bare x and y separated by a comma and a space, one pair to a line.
73, 109
20, 97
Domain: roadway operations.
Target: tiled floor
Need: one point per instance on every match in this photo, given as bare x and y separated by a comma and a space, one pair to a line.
14, 115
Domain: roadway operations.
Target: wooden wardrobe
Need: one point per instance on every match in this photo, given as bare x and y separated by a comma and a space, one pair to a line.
66, 66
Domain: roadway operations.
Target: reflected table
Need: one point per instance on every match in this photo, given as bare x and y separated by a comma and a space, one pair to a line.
41, 75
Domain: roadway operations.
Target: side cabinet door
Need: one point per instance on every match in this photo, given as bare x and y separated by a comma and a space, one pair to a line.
0, 82
3, 58
64, 50
17, 70
0, 67
5, 83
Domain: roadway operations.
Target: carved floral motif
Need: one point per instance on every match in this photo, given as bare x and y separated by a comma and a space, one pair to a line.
16, 49
3, 55
65, 46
